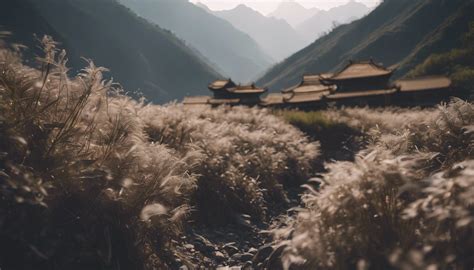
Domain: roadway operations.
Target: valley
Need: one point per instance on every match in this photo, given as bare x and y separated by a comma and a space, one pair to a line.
159, 134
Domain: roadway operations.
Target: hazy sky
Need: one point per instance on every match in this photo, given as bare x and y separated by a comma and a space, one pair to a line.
267, 6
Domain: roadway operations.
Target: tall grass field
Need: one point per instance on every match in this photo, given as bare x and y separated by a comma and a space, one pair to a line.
93, 179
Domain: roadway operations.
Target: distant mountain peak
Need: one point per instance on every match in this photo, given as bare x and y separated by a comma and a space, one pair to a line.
244, 9
203, 6
242, 6
277, 38
293, 12
284, 5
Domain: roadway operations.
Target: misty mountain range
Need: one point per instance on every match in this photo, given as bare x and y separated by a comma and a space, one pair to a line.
291, 26
323, 20
170, 49
398, 33
141, 56
274, 36
293, 12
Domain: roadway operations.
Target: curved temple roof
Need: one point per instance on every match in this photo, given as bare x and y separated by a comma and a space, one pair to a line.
221, 84
229, 86
319, 89
422, 84
355, 70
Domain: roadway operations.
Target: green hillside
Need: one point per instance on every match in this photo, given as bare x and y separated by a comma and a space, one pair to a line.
457, 63
397, 32
141, 56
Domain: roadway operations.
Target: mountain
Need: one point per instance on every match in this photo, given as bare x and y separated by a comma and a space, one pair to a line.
457, 63
140, 56
399, 33
275, 36
293, 13
203, 6
233, 51
324, 20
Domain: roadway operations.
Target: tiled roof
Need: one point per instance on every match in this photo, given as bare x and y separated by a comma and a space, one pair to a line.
273, 99
310, 82
423, 84
196, 100
247, 89
221, 101
312, 88
311, 79
220, 84
360, 70
302, 97
368, 93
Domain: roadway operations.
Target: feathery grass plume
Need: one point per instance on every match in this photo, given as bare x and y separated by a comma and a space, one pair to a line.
444, 214
91, 178
77, 169
444, 131
384, 120
354, 217
390, 208
249, 155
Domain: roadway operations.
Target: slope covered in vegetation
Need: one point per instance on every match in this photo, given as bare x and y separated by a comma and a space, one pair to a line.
142, 57
398, 32
457, 63
92, 179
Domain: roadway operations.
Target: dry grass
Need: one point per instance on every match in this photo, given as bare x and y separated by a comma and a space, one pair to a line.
403, 203
91, 178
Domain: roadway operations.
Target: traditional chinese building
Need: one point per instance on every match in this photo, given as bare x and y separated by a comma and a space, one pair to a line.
359, 84
424, 91
308, 93
226, 92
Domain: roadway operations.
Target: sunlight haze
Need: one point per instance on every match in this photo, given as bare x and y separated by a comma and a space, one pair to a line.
267, 6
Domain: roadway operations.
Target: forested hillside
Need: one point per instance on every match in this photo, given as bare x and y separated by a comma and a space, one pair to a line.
142, 56
400, 33
457, 63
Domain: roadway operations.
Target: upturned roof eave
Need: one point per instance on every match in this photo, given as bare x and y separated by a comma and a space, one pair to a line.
335, 79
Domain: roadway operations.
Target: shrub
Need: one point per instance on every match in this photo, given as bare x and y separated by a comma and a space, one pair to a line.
444, 131
404, 203
77, 170
249, 155
456, 63
338, 140
355, 218
90, 178
444, 214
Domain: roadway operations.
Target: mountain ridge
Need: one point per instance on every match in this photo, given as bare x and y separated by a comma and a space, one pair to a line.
390, 34
275, 36
140, 56
293, 12
325, 19
233, 51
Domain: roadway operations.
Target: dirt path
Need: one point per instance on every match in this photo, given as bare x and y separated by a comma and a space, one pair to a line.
243, 244
240, 245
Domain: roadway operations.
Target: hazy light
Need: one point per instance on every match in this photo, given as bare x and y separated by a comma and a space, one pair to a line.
267, 6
